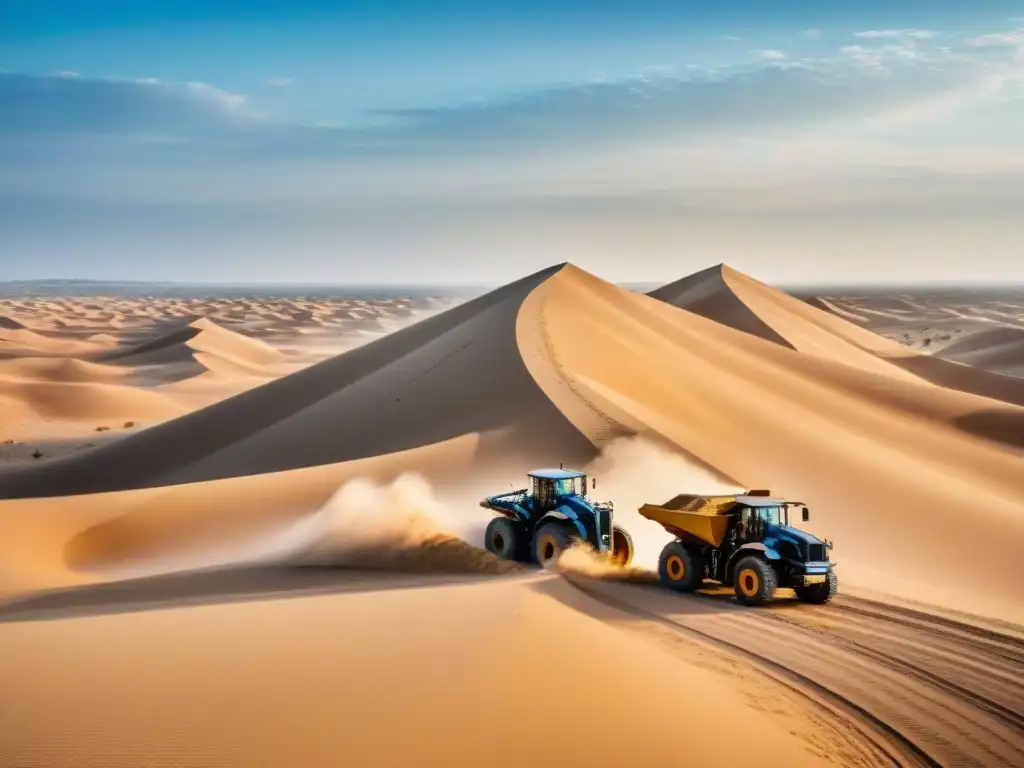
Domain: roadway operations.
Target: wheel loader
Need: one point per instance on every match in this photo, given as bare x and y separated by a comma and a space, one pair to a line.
538, 523
746, 542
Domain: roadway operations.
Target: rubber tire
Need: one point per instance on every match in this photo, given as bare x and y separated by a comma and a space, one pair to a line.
504, 538
767, 581
819, 594
675, 555
621, 535
562, 541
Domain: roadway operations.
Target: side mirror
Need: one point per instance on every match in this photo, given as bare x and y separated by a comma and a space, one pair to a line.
805, 515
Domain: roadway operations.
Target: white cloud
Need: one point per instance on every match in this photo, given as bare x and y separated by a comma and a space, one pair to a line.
728, 38
231, 101
811, 34
279, 82
771, 55
1012, 39
67, 73
895, 34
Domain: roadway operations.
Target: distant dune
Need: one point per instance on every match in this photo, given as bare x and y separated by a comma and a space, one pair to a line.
200, 346
729, 297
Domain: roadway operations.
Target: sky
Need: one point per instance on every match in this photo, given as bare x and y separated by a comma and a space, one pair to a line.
403, 142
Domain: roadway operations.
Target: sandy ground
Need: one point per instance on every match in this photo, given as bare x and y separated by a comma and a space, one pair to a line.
913, 465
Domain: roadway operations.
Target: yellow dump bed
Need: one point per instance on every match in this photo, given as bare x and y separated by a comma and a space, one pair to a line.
705, 518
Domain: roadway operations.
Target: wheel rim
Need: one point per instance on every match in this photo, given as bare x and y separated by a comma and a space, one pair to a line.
748, 582
499, 541
676, 567
547, 549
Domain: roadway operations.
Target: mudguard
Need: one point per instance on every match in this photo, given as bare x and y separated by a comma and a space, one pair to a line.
765, 551
564, 513
515, 506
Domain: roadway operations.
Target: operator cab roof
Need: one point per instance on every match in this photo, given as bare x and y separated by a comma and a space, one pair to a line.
555, 474
761, 501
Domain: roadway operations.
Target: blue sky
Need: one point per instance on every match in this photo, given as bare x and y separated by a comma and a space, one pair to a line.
374, 142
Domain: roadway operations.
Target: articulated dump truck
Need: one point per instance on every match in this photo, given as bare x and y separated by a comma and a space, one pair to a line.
743, 541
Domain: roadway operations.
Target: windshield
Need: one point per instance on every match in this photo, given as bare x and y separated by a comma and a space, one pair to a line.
773, 515
571, 485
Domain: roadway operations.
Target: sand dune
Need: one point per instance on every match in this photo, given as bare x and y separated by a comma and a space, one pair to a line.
454, 374
199, 347
72, 365
999, 349
729, 297
558, 365
958, 324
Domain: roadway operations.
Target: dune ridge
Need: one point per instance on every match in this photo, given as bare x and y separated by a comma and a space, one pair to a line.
732, 298
453, 374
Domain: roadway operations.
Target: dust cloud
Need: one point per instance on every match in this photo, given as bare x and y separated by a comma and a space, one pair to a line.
634, 471
401, 525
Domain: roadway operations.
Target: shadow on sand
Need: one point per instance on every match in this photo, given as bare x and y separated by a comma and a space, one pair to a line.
999, 426
216, 586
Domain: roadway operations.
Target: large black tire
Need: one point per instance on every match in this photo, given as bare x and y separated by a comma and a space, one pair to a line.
504, 538
680, 568
819, 594
754, 580
549, 542
622, 546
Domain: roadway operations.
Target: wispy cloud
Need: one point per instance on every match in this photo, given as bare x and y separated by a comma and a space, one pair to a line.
895, 34
810, 34
38, 105
1012, 39
760, 122
729, 38
279, 82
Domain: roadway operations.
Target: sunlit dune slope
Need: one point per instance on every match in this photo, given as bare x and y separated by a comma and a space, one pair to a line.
732, 298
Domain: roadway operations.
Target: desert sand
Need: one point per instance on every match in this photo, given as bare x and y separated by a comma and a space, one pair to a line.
980, 327
912, 464
74, 366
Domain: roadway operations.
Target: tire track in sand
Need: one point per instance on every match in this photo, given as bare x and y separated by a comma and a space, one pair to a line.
927, 691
